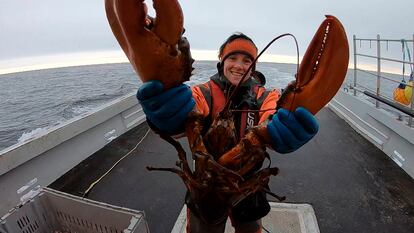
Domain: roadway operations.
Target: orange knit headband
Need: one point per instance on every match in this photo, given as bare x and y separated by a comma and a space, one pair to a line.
239, 46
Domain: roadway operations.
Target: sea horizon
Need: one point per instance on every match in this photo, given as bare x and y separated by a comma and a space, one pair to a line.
51, 61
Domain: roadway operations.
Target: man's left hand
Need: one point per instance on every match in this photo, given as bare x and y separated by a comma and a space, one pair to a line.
291, 130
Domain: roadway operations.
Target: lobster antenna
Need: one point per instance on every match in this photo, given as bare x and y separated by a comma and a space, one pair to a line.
255, 60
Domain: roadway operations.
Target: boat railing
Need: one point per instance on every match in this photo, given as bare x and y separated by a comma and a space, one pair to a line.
375, 92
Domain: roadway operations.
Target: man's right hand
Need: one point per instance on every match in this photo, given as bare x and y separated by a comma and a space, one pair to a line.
167, 110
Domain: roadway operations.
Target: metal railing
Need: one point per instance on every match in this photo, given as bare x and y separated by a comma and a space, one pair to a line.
376, 94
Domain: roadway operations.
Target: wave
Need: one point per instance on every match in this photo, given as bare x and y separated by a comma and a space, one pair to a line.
38, 100
27, 136
90, 103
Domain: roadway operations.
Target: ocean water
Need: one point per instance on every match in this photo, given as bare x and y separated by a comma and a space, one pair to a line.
34, 101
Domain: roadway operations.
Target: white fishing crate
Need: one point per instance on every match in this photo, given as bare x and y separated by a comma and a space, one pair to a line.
57, 212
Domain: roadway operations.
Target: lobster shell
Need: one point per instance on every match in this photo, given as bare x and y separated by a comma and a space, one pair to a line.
158, 52
322, 70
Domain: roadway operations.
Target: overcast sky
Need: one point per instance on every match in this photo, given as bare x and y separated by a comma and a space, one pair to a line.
34, 28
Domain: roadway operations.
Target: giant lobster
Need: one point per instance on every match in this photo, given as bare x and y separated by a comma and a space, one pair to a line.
160, 52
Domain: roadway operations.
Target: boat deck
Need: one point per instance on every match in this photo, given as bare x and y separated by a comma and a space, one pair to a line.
351, 184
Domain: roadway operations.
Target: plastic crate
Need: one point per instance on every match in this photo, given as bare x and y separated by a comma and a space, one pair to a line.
57, 212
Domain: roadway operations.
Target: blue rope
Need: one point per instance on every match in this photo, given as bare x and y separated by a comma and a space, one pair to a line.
405, 49
403, 58
409, 58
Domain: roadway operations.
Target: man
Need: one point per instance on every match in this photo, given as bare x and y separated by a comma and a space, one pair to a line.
167, 111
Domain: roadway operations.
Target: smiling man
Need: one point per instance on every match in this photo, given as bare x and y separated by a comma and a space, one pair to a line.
168, 110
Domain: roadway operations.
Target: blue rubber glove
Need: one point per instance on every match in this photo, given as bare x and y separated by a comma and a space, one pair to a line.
166, 110
289, 132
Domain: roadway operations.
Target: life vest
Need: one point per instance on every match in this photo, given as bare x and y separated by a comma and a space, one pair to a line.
251, 99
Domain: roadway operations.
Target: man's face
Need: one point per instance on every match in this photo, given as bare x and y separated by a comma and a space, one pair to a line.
235, 66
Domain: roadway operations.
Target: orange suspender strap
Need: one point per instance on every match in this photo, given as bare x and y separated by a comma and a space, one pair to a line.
267, 101
219, 100
209, 90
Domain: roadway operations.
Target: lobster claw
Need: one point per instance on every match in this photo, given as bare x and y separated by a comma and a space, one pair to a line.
322, 70
158, 52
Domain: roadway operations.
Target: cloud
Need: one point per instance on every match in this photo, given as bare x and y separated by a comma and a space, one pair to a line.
47, 27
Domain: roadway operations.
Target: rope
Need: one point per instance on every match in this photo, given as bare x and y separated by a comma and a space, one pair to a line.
406, 50
403, 58
85, 194
267, 231
409, 56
